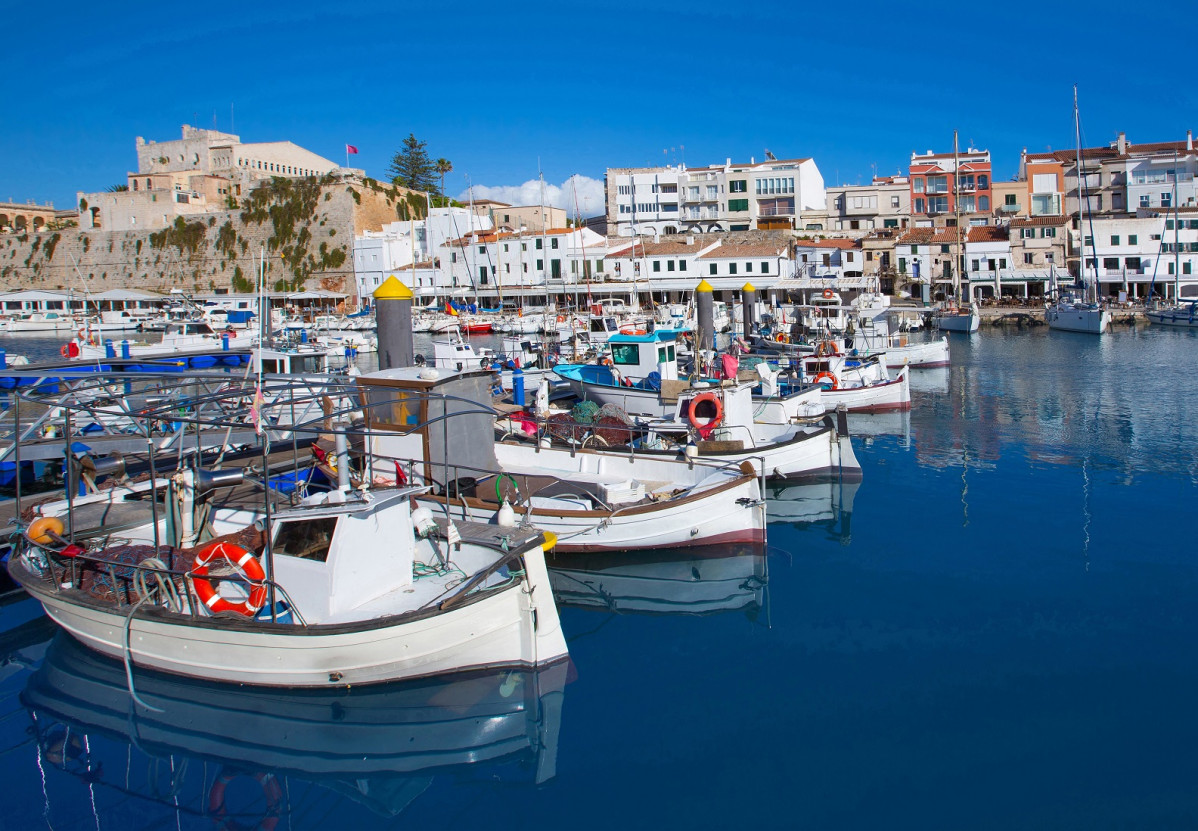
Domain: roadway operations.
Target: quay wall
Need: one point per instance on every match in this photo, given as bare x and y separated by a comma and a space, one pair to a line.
306, 228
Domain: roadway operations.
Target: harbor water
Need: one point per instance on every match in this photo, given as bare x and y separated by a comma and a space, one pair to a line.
995, 629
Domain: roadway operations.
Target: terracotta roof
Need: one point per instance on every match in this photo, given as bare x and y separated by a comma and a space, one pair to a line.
414, 266
844, 244
665, 248
481, 238
929, 236
987, 233
742, 250
1112, 152
1037, 221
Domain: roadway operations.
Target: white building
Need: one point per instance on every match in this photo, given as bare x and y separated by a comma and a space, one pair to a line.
378, 254
825, 258
769, 195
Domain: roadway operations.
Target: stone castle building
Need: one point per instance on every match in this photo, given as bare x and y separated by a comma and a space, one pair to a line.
203, 172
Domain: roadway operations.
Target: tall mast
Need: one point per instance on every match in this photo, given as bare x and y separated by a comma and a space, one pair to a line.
1081, 200
957, 220
1176, 238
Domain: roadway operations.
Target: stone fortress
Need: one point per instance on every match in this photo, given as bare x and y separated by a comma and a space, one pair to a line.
197, 214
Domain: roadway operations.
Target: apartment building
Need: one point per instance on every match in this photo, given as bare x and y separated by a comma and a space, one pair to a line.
1120, 179
825, 258
860, 209
773, 194
944, 186
397, 245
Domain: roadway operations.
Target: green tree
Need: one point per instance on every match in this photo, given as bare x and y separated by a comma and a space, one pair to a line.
411, 166
443, 166
117, 188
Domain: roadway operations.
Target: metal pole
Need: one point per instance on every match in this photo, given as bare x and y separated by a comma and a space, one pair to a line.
16, 438
153, 490
70, 474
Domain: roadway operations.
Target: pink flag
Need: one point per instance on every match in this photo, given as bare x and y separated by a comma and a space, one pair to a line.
349, 148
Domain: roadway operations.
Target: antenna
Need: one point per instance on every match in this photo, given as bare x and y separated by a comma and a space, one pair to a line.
770, 156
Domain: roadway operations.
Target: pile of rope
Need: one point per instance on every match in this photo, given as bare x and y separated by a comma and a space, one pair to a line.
613, 426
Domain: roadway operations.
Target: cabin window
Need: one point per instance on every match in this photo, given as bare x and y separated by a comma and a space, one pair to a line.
270, 366
308, 539
625, 354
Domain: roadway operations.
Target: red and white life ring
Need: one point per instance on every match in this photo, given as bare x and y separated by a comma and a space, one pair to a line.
270, 790
245, 563
703, 422
826, 377
829, 294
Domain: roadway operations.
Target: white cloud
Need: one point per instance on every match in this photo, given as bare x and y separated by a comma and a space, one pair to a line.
589, 200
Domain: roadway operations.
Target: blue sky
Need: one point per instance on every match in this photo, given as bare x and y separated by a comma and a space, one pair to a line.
577, 88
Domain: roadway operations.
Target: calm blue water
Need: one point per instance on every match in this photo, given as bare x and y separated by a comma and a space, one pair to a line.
996, 629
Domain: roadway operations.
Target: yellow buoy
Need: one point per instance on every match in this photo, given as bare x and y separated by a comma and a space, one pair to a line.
550, 541
41, 529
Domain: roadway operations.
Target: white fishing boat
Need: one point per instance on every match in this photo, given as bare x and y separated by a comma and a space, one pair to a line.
345, 588
718, 416
179, 337
859, 384
898, 348
25, 322
591, 500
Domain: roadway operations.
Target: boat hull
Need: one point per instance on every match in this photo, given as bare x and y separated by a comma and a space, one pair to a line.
497, 630
1179, 318
960, 323
1093, 321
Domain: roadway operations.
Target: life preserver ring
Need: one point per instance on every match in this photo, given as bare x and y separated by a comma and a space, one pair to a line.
606, 361
270, 789
829, 294
245, 563
781, 338
703, 422
826, 376
561, 318
824, 349
82, 334
69, 350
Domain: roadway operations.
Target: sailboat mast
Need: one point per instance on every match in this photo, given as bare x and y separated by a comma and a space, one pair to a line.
1176, 238
957, 221
1081, 200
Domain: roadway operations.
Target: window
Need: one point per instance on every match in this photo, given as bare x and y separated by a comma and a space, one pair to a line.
914, 249
711, 269
1088, 242
482, 249
1029, 258
625, 354
682, 265
917, 184
308, 539
453, 257
1009, 200
669, 265
1133, 239
748, 268
1166, 200
540, 265
553, 243
889, 223
657, 266
894, 201
1110, 263
524, 246
738, 186
1052, 232
1145, 200
975, 264
539, 244
765, 268
735, 205
1002, 262
983, 203
919, 206
902, 265
1114, 239
944, 249
1185, 267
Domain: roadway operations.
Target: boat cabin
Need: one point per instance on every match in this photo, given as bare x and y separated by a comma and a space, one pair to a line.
441, 419
638, 357
329, 556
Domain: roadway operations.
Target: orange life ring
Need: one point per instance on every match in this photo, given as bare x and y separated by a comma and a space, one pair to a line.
561, 318
705, 427
824, 349
829, 294
826, 376
270, 789
630, 330
781, 338
245, 563
606, 360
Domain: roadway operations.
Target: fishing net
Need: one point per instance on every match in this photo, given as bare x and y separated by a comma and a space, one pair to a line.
584, 412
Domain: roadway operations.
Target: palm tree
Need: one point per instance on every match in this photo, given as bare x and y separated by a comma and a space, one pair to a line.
443, 166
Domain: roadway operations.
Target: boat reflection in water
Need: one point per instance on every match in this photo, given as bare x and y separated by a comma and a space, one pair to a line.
827, 505
258, 755
695, 581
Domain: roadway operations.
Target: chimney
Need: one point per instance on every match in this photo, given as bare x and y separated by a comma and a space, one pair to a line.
1122, 143
1189, 139
728, 162
690, 239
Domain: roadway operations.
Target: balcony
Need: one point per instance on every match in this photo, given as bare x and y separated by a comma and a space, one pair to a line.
1009, 209
691, 197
